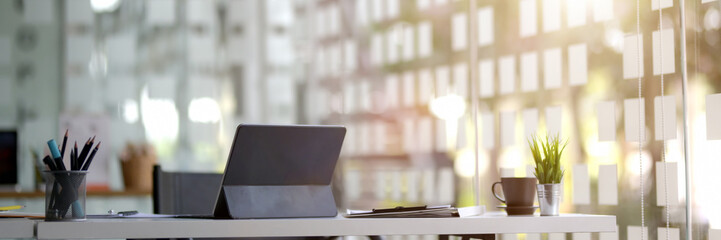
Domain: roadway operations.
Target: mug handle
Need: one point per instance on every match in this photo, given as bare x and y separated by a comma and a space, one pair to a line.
493, 190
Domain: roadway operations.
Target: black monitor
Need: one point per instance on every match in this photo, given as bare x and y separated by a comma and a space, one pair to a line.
8, 157
280, 171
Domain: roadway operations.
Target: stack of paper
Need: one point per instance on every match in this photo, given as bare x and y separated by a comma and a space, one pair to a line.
406, 212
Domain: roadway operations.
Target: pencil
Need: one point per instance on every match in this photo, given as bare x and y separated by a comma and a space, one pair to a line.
14, 207
90, 159
65, 140
84, 152
73, 163
76, 151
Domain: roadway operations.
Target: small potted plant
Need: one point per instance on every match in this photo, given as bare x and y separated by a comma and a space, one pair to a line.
547, 156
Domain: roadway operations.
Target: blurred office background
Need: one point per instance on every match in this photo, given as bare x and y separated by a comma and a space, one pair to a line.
182, 74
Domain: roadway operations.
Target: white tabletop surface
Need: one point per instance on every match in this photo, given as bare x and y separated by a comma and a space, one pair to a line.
16, 228
489, 223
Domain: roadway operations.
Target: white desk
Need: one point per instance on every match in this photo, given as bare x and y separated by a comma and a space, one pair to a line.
17, 228
490, 223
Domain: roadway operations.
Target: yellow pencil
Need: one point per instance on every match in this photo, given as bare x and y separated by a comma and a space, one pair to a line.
8, 208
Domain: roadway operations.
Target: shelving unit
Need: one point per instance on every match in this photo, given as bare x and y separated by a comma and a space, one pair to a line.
372, 65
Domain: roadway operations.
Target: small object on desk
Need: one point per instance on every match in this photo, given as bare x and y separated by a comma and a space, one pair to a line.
66, 190
127, 213
113, 214
13, 207
406, 212
472, 211
133, 214
399, 209
65, 194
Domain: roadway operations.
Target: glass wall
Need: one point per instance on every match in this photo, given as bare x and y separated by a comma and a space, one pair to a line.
401, 75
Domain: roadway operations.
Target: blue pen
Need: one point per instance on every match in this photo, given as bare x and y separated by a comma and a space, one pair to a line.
53, 146
78, 209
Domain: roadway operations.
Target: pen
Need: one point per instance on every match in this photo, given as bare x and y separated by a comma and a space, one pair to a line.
53, 193
49, 161
86, 165
65, 140
127, 213
53, 146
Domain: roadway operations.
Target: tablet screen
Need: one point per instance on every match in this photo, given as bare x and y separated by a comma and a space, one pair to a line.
283, 155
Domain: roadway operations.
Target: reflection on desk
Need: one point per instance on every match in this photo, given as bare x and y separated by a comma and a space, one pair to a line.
490, 223
38, 194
